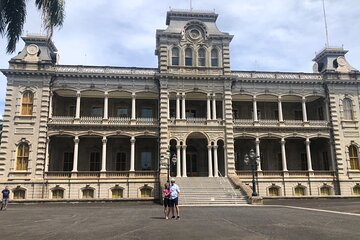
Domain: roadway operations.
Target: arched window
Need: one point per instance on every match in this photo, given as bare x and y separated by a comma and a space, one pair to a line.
145, 192
188, 57
27, 103
356, 190
175, 56
347, 107
201, 57
299, 191
325, 191
19, 193
57, 193
88, 193
214, 58
274, 191
354, 159
22, 157
117, 193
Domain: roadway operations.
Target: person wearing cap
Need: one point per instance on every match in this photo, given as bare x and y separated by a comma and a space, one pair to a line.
174, 199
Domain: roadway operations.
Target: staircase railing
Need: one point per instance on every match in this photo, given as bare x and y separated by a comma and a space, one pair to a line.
223, 181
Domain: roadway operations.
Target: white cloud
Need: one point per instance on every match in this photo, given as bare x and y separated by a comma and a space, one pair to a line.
273, 35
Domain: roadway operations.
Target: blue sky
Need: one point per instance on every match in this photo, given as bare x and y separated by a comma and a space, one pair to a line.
269, 35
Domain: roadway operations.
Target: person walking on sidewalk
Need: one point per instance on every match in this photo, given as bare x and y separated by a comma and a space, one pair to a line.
5, 198
174, 199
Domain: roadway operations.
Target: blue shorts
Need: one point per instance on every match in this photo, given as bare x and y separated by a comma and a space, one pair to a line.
5, 201
173, 202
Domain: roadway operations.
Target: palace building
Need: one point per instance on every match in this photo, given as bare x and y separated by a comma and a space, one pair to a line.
94, 132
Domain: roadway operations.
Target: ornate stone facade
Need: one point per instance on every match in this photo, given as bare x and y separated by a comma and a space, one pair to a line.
74, 132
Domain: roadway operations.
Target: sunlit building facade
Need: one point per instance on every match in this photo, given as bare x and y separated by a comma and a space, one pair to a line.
94, 132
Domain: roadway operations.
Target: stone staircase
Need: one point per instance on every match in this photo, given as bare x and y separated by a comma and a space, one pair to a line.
204, 191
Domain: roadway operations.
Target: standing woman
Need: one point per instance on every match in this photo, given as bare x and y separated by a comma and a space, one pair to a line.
166, 195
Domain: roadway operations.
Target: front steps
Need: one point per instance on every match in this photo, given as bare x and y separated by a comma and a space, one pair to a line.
205, 191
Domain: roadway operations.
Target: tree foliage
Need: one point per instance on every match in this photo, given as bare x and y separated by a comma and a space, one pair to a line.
13, 17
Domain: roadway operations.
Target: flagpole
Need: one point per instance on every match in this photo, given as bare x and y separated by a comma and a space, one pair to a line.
326, 27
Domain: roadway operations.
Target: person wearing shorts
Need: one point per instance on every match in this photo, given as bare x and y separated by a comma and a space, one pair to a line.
174, 199
166, 195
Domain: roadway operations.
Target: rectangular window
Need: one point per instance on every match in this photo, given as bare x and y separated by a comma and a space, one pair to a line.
146, 161
120, 163
68, 161
97, 112
95, 161
298, 115
146, 112
122, 112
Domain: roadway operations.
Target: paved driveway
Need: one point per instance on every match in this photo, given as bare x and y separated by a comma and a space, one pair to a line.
145, 221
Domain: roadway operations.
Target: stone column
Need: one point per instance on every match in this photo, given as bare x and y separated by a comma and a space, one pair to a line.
283, 154
210, 167
308, 154
178, 160
281, 118
47, 154
133, 106
177, 106
168, 106
103, 160
327, 111
214, 106
208, 107
51, 105
132, 154
76, 154
257, 149
106, 105
216, 164
183, 112
184, 161
78, 103
255, 109
304, 109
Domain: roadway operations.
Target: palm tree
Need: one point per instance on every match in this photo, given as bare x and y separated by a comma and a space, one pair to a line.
13, 16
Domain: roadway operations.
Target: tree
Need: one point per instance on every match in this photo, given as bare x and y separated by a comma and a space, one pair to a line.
13, 16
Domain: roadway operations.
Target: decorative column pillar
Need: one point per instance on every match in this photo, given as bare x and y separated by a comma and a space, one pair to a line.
281, 118
51, 105
132, 154
210, 161
308, 155
106, 105
184, 161
255, 117
76, 154
47, 154
304, 109
177, 106
168, 106
208, 107
103, 160
214, 106
178, 160
183, 114
133, 106
327, 111
78, 103
216, 164
257, 149
283, 154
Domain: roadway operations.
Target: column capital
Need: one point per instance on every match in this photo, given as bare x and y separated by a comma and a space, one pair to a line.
282, 141
279, 98
106, 94
307, 141
76, 139
132, 140
78, 94
178, 146
104, 139
183, 146
254, 97
257, 140
303, 99
215, 147
133, 95
209, 146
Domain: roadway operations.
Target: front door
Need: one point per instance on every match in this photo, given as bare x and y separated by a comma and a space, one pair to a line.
191, 165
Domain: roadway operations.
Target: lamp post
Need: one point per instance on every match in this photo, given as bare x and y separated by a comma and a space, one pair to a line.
166, 161
253, 160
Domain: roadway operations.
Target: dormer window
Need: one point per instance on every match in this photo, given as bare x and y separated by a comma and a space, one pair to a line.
188, 57
175, 56
214, 58
201, 57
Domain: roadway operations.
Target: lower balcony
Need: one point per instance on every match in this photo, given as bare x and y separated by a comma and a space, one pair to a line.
291, 174
113, 121
97, 174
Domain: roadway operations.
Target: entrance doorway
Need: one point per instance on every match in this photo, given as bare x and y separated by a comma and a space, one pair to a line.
191, 165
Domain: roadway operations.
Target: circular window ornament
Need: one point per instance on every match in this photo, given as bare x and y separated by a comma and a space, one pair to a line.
194, 34
32, 49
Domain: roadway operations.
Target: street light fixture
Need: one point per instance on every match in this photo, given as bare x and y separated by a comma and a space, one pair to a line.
253, 160
166, 161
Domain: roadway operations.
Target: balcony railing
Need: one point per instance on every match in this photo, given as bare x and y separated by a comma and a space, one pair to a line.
119, 121
274, 122
88, 120
196, 121
246, 174
97, 174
